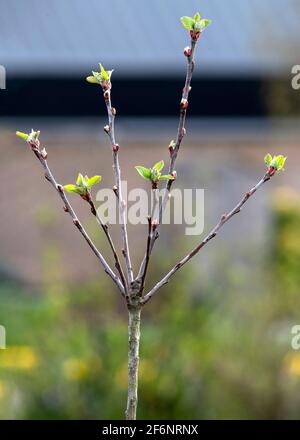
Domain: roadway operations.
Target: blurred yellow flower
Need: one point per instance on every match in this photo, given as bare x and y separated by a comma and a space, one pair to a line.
292, 364
75, 369
20, 357
148, 371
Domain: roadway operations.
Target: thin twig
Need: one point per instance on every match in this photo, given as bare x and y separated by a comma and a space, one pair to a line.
118, 266
68, 208
174, 151
118, 187
209, 237
149, 237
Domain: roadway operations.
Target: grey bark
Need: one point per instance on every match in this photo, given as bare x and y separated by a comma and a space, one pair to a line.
134, 314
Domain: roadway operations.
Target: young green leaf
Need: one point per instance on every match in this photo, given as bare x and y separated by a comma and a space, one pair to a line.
268, 159
158, 166
74, 189
84, 183
144, 172
92, 79
93, 180
188, 22
103, 72
23, 136
197, 16
79, 180
204, 23
166, 177
279, 162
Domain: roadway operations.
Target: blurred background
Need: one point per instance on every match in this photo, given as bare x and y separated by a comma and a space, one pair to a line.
216, 341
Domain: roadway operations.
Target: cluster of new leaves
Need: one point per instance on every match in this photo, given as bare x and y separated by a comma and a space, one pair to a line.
100, 77
195, 24
31, 137
83, 184
276, 162
154, 174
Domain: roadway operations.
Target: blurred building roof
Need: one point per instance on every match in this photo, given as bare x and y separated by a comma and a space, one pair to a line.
71, 36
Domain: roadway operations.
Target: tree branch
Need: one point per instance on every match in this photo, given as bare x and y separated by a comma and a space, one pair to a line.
151, 231
224, 219
68, 208
110, 130
175, 149
118, 266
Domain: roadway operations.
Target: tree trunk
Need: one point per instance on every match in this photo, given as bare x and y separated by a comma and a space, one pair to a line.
133, 360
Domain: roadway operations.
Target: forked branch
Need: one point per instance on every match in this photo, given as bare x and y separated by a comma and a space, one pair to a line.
224, 219
42, 157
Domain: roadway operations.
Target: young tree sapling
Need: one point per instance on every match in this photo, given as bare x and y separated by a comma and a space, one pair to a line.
130, 286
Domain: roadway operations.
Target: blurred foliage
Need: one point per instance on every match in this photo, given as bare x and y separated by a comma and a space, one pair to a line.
213, 346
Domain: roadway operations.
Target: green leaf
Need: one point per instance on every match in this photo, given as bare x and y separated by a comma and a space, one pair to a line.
204, 23
158, 166
188, 22
144, 172
23, 136
279, 162
92, 79
103, 72
74, 189
166, 177
197, 16
268, 159
79, 180
84, 183
93, 180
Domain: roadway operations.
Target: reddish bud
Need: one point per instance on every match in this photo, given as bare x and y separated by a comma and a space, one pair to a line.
44, 153
86, 196
66, 209
172, 146
154, 225
184, 104
271, 171
76, 222
113, 111
174, 174
116, 148
106, 86
106, 128
187, 51
106, 95
195, 35
60, 188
